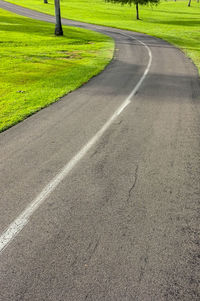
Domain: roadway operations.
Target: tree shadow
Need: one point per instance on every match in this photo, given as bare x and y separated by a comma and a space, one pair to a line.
177, 12
20, 24
178, 22
72, 35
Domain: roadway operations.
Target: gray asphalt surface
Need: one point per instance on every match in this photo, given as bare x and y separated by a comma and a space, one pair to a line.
123, 225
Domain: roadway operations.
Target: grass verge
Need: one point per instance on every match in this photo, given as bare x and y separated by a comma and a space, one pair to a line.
37, 68
172, 21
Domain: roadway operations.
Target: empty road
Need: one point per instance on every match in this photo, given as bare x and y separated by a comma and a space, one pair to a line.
99, 192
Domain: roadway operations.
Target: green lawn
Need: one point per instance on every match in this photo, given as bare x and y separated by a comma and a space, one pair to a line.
170, 20
37, 68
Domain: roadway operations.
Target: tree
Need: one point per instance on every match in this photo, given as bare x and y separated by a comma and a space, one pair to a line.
58, 28
136, 2
46, 1
189, 3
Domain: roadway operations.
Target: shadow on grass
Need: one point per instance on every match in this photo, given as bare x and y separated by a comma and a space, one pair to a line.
176, 12
178, 22
21, 24
46, 30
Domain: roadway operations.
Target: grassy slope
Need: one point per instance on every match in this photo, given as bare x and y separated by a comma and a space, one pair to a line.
37, 68
172, 21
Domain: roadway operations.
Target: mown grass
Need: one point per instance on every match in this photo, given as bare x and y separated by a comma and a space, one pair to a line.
37, 68
173, 21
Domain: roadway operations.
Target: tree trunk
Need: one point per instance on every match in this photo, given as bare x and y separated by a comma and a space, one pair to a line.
45, 1
137, 11
58, 27
189, 3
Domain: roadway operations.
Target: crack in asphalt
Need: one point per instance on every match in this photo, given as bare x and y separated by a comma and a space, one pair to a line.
134, 184
94, 249
143, 266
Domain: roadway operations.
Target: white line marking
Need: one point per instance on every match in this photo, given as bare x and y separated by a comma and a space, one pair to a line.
18, 224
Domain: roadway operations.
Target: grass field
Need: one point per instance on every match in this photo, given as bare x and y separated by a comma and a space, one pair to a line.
170, 20
37, 68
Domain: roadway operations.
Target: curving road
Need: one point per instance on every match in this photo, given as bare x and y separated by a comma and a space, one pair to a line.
100, 191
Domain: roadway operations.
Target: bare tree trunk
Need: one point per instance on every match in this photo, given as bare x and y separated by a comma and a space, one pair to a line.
58, 27
137, 11
189, 3
45, 1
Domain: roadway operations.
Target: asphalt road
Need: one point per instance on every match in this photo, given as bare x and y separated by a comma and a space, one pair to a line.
122, 224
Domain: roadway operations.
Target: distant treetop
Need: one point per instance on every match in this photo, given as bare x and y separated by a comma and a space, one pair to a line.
136, 2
